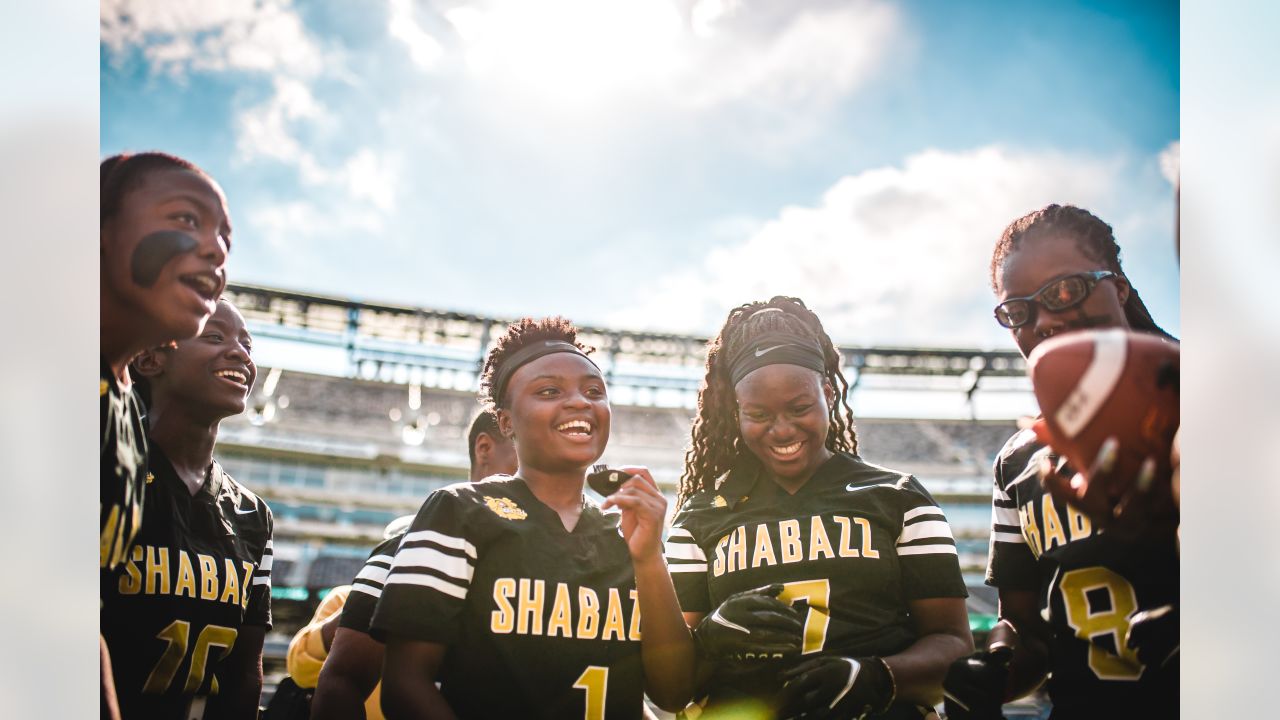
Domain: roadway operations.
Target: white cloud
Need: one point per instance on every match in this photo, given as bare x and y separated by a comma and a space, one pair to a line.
1170, 161
370, 176
184, 35
293, 227
891, 254
424, 49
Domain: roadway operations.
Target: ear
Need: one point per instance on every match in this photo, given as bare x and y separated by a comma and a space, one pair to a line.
505, 424
1122, 289
829, 392
483, 447
150, 363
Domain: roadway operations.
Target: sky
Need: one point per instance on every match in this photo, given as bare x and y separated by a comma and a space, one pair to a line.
650, 164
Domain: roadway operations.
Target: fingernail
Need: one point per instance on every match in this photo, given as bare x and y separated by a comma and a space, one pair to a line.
1147, 474
1107, 454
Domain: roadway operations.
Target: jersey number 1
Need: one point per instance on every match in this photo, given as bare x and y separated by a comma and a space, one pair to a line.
177, 633
595, 681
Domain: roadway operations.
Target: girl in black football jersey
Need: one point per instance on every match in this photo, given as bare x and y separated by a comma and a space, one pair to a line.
1097, 611
518, 594
164, 234
186, 616
819, 585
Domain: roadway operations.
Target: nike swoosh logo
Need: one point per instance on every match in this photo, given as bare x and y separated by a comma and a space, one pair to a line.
851, 487
252, 508
762, 351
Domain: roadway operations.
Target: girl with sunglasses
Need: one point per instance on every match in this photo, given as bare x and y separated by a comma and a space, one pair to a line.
517, 594
820, 585
1094, 610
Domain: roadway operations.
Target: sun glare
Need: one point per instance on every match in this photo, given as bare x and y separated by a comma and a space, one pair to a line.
572, 50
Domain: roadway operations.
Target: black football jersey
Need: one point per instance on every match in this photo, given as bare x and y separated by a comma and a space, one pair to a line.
852, 547
198, 572
366, 588
1089, 584
124, 468
538, 621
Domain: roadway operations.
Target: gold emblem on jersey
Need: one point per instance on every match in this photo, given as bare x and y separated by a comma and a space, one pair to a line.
102, 387
719, 502
150, 477
505, 508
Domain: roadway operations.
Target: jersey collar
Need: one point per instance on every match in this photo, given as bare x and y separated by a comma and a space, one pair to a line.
747, 474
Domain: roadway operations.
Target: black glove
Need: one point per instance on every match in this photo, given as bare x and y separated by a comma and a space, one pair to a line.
1154, 635
752, 623
838, 688
975, 685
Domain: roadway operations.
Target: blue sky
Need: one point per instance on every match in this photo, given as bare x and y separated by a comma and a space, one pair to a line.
649, 164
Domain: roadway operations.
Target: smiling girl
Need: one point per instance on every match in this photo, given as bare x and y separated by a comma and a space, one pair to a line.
185, 618
820, 584
520, 596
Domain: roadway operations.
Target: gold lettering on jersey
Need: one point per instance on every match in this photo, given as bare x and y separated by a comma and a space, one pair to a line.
614, 628
131, 581
186, 584
208, 577
519, 608
717, 567
231, 587
106, 541
634, 633
149, 570
503, 619
847, 550
560, 624
763, 554
867, 552
792, 550
1078, 524
1053, 535
247, 584
784, 541
529, 608
819, 544
157, 570
1030, 528
737, 549
588, 613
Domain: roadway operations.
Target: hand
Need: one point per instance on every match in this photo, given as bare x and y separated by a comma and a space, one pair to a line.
1122, 505
644, 512
975, 685
835, 687
1154, 634
753, 622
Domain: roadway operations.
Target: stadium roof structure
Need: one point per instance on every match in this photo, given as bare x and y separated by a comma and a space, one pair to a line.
381, 340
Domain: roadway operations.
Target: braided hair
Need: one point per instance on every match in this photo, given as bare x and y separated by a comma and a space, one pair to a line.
520, 333
717, 441
1092, 236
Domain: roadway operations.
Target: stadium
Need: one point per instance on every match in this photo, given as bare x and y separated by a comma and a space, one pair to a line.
339, 454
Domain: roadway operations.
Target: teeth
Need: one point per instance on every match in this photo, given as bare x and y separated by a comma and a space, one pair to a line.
204, 282
788, 449
233, 375
582, 425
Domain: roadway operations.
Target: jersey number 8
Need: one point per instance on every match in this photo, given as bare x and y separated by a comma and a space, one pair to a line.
1092, 621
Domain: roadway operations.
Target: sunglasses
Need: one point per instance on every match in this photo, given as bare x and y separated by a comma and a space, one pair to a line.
1056, 296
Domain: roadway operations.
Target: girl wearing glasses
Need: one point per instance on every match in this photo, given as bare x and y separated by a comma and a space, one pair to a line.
1094, 610
820, 585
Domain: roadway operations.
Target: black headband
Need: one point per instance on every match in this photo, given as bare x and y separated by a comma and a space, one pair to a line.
526, 355
777, 348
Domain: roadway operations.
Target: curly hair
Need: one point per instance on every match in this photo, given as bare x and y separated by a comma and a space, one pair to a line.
519, 334
717, 441
1091, 235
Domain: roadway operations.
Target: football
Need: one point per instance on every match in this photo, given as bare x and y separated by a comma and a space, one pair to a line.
1096, 384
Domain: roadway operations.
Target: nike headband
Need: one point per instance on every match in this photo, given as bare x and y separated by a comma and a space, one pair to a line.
526, 355
777, 349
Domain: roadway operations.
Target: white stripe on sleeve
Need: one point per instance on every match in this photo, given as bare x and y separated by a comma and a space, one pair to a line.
448, 541
927, 529
430, 581
455, 567
927, 550
917, 512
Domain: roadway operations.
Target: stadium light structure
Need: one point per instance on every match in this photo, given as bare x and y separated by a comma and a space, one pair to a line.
447, 349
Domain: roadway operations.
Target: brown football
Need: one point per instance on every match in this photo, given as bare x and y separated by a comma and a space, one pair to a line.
1095, 384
